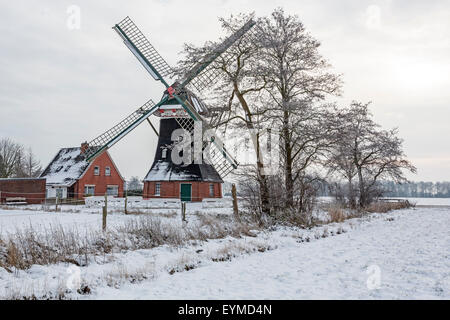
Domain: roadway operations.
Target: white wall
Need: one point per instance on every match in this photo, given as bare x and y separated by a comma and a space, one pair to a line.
51, 192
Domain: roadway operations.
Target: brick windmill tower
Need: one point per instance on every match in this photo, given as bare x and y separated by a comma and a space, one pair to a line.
179, 108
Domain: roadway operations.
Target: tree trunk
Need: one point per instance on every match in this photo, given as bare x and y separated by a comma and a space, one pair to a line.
262, 178
288, 161
362, 191
351, 194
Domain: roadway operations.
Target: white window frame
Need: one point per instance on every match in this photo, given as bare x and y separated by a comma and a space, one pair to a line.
211, 190
96, 170
116, 187
89, 186
107, 171
158, 189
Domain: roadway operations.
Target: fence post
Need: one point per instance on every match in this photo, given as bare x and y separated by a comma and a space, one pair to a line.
105, 213
183, 211
106, 201
126, 200
235, 203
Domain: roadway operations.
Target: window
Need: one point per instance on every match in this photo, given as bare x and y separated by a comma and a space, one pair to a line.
96, 171
107, 171
164, 153
211, 190
59, 193
89, 190
112, 190
157, 189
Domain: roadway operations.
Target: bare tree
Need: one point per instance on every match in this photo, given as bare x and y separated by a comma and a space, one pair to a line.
16, 162
367, 154
10, 157
237, 90
296, 76
28, 165
134, 184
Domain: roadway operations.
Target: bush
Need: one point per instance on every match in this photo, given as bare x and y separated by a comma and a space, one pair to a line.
383, 207
336, 213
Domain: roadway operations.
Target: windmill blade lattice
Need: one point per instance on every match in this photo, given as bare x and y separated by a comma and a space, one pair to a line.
141, 43
202, 74
113, 135
217, 154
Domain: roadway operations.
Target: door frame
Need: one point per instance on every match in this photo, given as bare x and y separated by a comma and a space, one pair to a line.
191, 190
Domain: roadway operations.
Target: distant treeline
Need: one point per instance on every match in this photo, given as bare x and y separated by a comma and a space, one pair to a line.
419, 189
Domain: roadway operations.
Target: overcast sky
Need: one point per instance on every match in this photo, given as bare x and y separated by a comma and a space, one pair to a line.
59, 87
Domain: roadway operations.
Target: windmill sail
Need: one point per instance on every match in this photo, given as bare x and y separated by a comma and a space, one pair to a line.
200, 76
143, 50
113, 135
216, 152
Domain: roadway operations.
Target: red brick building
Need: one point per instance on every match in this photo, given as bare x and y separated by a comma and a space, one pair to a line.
69, 175
31, 189
173, 189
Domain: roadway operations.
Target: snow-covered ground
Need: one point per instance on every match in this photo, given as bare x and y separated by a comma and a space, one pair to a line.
429, 201
416, 201
85, 218
398, 255
409, 255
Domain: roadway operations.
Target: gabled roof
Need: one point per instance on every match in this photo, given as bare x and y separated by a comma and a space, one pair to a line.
66, 168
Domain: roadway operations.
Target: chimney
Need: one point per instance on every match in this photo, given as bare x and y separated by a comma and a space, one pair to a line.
84, 147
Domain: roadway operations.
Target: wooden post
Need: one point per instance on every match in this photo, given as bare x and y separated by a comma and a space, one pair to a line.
106, 201
105, 213
235, 203
126, 200
183, 211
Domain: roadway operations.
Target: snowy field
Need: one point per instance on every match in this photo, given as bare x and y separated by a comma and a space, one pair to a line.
411, 254
397, 255
416, 201
83, 217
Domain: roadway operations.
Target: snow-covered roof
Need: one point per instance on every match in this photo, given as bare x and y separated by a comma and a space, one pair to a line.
66, 168
167, 171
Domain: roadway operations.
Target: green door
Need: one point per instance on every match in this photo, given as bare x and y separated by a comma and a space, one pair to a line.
186, 191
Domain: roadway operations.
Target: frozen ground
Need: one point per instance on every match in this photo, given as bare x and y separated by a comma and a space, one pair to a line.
417, 201
84, 218
398, 255
411, 254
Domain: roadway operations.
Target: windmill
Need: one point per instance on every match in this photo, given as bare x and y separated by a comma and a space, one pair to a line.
179, 106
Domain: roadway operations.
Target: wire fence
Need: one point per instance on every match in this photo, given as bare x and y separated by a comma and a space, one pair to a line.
80, 198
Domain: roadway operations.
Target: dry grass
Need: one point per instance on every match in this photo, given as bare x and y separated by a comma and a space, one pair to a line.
383, 207
336, 213
55, 244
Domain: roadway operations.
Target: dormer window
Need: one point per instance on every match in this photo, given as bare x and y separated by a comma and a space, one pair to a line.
96, 171
107, 171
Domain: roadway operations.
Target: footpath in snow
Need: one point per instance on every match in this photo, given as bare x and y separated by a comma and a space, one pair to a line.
399, 255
